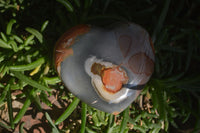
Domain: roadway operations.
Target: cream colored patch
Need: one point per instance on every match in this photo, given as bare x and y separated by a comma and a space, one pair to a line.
98, 84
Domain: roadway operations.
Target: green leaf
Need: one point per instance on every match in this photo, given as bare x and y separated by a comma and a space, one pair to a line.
156, 130
161, 20
9, 26
95, 119
83, 117
67, 5
125, 120
36, 33
4, 93
5, 126
18, 39
4, 44
23, 110
87, 3
52, 80
89, 130
1, 86
159, 99
14, 45
10, 108
21, 127
28, 41
55, 130
140, 128
4, 37
30, 81
44, 25
30, 66
77, 3
44, 98
110, 124
36, 99
68, 111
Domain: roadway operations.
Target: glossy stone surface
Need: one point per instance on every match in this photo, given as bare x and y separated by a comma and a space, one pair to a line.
97, 64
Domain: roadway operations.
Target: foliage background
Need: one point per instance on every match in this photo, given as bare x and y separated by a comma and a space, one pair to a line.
170, 102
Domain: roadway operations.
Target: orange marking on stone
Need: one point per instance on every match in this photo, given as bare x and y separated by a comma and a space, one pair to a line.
61, 55
140, 63
62, 48
151, 43
113, 78
67, 39
125, 44
115, 113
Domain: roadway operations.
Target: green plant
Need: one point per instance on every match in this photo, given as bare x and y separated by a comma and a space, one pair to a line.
168, 102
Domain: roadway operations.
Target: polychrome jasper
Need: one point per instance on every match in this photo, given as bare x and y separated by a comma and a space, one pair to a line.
105, 67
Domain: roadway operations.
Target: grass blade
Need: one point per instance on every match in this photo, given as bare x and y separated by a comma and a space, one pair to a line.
36, 33
4, 71
51, 122
21, 127
36, 70
67, 4
10, 109
23, 110
83, 117
13, 44
52, 80
110, 124
161, 20
5, 126
44, 25
77, 2
89, 130
106, 5
4, 44
125, 120
87, 3
4, 93
30, 81
159, 100
139, 128
36, 100
4, 37
18, 39
9, 26
1, 85
68, 111
28, 40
